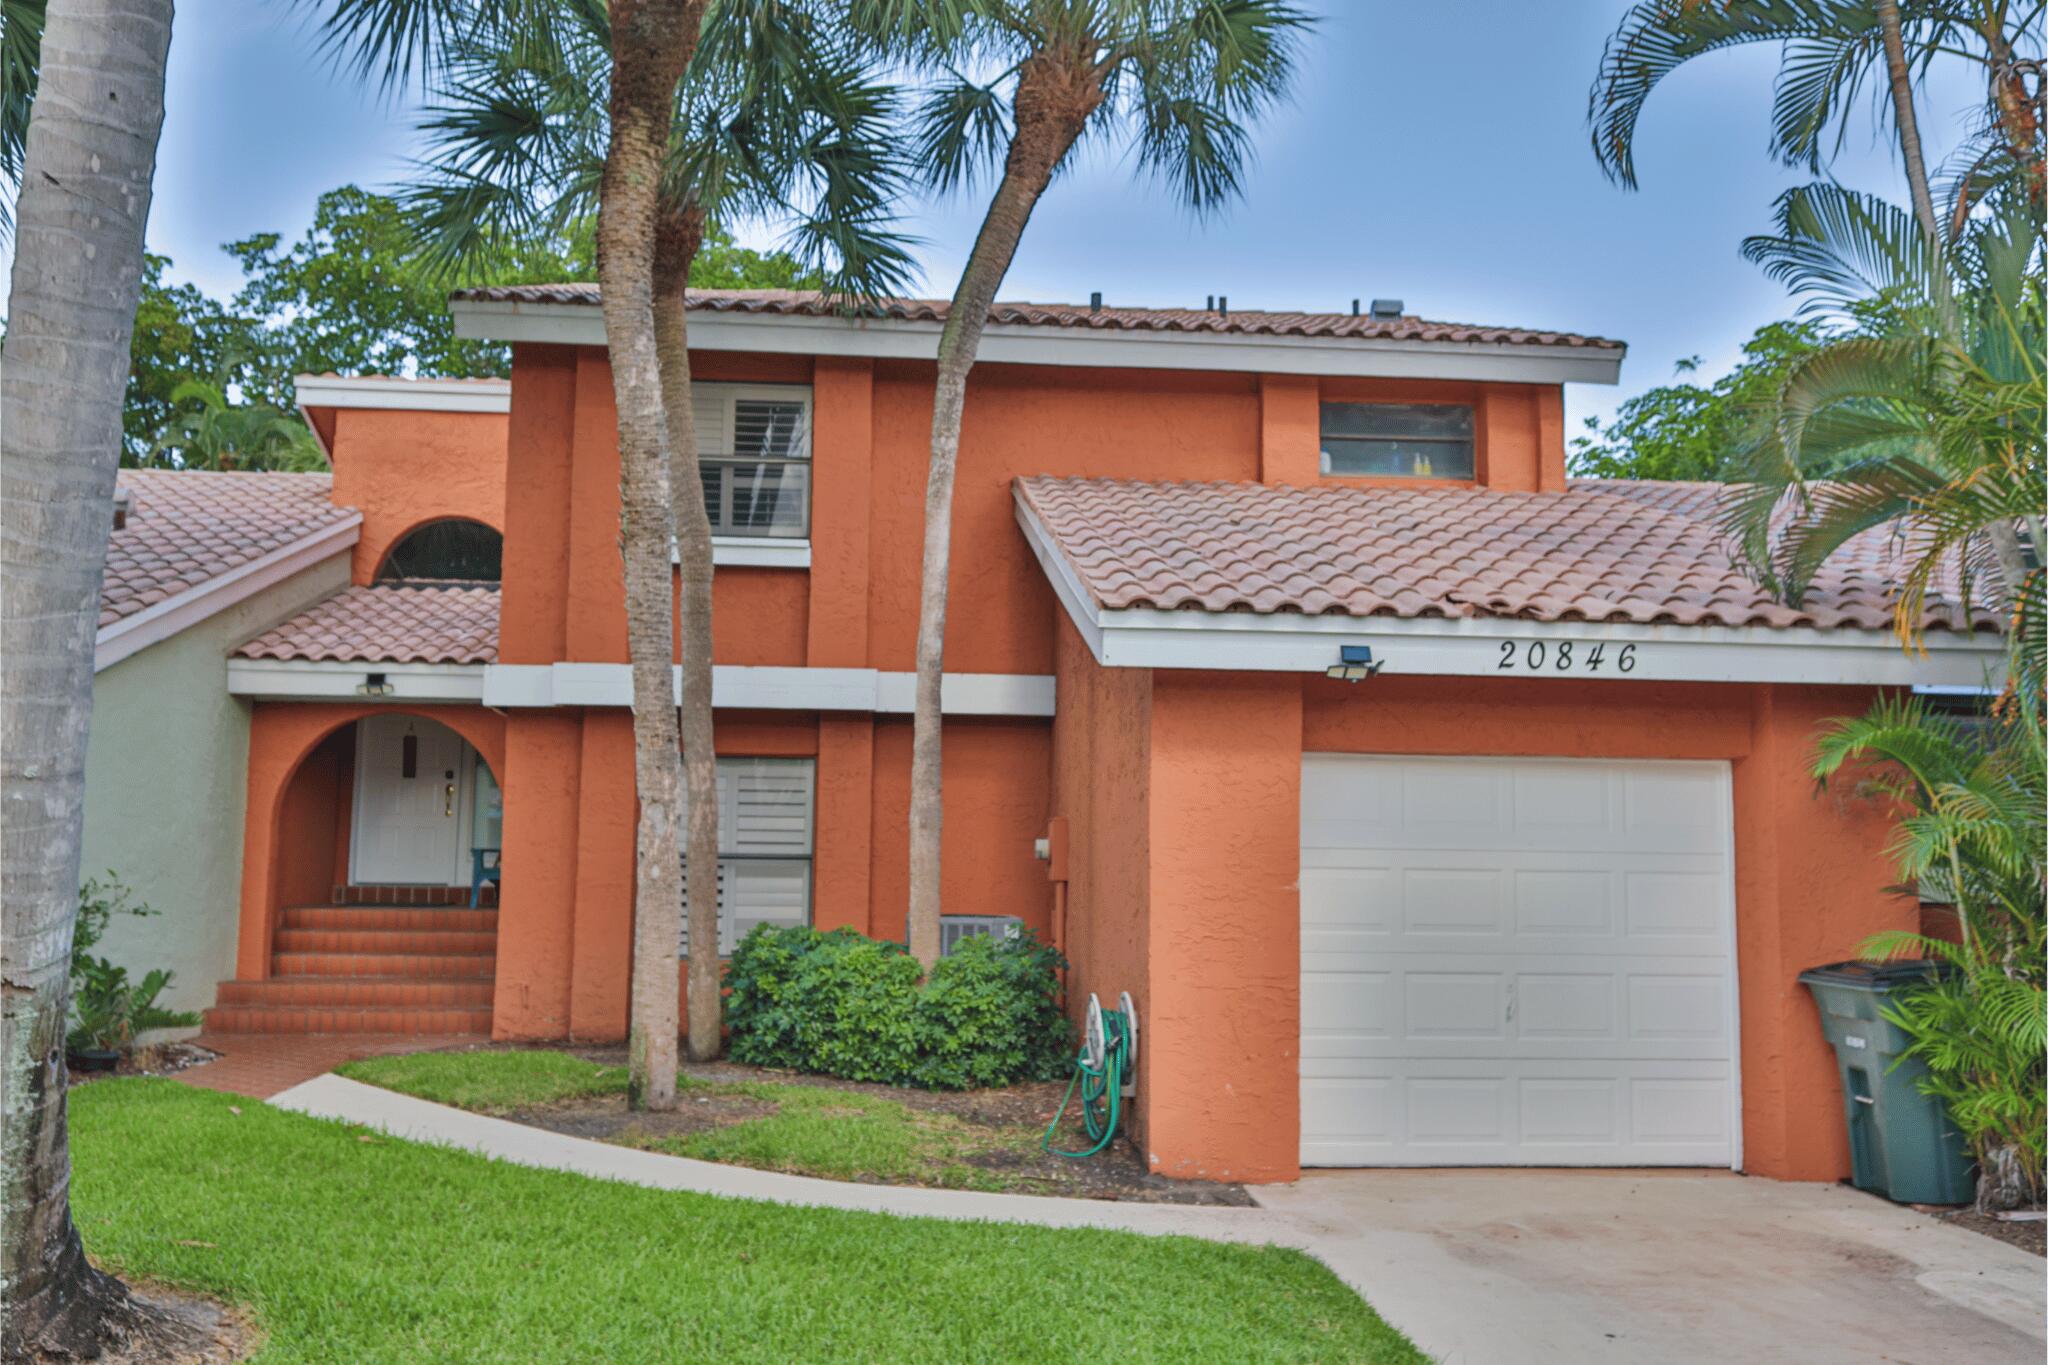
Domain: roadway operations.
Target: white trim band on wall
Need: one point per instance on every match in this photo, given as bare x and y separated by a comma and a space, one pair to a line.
1497, 647
733, 686
582, 324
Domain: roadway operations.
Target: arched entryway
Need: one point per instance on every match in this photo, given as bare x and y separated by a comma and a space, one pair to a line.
362, 907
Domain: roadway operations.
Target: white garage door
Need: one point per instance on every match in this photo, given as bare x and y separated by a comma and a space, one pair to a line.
1516, 962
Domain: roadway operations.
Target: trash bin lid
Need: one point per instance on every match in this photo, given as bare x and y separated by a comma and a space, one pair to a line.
1874, 976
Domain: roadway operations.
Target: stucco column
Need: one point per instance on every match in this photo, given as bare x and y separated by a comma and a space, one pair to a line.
1810, 885
540, 782
1290, 429
1221, 1031
601, 942
843, 851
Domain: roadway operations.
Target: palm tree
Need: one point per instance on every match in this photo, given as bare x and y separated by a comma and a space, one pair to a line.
777, 118
1015, 86
1830, 50
1928, 410
213, 433
649, 42
88, 151
1973, 834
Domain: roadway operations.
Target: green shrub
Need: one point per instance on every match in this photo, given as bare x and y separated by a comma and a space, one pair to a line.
842, 1004
106, 1011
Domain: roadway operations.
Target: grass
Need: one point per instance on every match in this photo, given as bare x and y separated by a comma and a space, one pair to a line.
813, 1130
347, 1245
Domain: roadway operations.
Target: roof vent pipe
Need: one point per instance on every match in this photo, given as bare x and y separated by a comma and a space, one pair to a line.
1095, 302
1386, 308
1223, 304
1354, 308
1210, 306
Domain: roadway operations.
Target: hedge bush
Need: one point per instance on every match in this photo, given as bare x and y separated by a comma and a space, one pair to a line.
842, 1004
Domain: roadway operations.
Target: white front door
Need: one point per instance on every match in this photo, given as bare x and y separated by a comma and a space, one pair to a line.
411, 776
1514, 961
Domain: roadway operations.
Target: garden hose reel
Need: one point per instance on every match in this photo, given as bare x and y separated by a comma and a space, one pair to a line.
1105, 1073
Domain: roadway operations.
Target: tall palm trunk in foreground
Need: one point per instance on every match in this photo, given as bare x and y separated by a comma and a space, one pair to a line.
91, 152
651, 43
1057, 91
677, 238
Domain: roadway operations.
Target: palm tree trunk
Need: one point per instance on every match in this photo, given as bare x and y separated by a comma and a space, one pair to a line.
651, 43
1056, 94
85, 191
678, 237
1909, 124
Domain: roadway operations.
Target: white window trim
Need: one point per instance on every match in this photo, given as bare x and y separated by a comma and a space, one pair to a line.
582, 324
1471, 646
761, 551
758, 552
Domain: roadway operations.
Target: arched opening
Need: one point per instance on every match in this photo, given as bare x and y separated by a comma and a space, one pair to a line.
454, 549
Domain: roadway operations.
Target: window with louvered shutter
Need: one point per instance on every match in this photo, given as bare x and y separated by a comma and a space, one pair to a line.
754, 445
766, 819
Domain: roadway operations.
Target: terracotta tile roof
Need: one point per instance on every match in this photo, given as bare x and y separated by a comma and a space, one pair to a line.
185, 527
1601, 551
807, 303
390, 623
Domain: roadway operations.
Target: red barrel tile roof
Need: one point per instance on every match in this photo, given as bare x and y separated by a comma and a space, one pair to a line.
1249, 322
1640, 553
390, 623
185, 527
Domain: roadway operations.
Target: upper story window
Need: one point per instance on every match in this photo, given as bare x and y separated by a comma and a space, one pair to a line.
754, 444
455, 548
1398, 440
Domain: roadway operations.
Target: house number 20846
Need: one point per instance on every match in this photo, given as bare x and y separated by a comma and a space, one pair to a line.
1568, 656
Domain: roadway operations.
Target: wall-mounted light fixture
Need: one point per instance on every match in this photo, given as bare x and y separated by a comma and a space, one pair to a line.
376, 685
1355, 664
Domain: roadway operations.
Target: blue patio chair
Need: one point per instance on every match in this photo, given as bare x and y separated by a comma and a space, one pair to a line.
486, 865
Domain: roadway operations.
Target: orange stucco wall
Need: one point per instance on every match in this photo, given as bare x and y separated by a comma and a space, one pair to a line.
1212, 853
404, 469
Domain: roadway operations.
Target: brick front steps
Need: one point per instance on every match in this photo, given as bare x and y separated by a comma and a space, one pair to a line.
369, 969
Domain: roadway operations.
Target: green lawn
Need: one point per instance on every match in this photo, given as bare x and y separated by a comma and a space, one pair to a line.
349, 1246
814, 1130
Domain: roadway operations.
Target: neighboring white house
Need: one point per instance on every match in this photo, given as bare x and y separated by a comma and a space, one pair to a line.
198, 564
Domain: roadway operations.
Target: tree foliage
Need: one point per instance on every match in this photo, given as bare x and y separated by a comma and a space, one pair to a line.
353, 294
1688, 430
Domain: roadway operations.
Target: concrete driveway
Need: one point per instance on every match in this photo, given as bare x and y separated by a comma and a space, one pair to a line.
1493, 1267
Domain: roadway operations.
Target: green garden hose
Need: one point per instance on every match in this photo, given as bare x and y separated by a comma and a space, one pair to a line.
1101, 1090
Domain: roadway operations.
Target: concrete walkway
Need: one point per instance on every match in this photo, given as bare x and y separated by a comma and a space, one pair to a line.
337, 1097
1496, 1267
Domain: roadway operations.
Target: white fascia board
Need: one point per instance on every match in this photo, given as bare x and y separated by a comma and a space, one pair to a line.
403, 395
1476, 647
763, 688
578, 324
307, 680
131, 634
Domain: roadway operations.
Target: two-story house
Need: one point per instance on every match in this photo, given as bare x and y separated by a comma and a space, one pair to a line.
1434, 808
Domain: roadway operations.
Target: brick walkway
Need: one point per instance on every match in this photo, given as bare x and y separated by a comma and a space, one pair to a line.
259, 1065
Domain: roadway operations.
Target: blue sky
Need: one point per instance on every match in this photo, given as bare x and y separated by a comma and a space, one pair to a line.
1435, 152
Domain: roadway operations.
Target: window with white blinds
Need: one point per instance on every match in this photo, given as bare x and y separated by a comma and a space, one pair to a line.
766, 823
754, 443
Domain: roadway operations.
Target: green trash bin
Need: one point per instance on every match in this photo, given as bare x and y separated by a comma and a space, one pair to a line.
1902, 1143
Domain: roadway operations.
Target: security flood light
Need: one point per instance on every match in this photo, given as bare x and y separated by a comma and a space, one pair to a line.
1354, 664
376, 685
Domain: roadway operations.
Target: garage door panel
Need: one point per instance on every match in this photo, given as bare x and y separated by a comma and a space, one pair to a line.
1547, 980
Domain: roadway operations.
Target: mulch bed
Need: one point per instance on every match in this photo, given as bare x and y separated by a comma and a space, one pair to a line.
1115, 1173
2027, 1236
158, 1059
